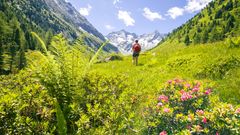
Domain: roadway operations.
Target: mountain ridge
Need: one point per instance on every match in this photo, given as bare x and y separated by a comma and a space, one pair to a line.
66, 11
57, 16
123, 40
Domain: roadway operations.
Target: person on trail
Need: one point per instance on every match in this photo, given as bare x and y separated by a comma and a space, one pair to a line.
136, 49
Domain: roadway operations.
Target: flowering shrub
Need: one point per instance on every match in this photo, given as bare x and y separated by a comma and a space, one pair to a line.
191, 108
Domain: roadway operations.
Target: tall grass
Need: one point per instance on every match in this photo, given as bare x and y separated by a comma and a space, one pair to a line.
42, 44
91, 62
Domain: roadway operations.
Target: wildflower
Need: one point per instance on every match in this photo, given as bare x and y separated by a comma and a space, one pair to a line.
200, 112
237, 111
177, 81
182, 91
169, 81
208, 91
195, 89
217, 133
163, 133
204, 120
185, 96
198, 84
166, 110
187, 85
163, 98
159, 104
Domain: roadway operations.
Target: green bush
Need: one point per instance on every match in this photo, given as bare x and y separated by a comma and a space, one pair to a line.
218, 68
234, 42
106, 107
25, 106
190, 108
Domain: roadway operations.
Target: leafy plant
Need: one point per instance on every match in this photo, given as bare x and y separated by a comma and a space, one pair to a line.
190, 108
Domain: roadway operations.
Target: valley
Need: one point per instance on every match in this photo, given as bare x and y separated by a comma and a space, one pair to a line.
60, 75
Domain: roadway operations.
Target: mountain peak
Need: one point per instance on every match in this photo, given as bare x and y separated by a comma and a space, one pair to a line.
123, 40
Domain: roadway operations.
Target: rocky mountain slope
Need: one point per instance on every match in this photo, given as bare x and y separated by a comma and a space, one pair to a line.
123, 40
58, 16
68, 14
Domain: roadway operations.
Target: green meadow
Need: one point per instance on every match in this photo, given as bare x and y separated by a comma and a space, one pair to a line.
217, 63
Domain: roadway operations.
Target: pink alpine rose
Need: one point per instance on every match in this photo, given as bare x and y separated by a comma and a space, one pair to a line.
204, 120
166, 110
187, 85
200, 112
237, 111
195, 89
163, 98
169, 81
185, 96
208, 91
160, 104
163, 133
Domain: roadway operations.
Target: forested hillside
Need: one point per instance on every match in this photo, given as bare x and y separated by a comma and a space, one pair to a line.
218, 21
46, 18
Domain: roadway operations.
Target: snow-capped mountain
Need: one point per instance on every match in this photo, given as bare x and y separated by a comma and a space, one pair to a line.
123, 40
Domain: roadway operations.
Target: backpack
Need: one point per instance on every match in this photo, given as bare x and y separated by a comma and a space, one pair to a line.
136, 48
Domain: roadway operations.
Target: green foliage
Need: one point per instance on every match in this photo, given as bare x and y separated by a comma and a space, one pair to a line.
218, 21
25, 106
105, 108
100, 101
61, 122
234, 42
84, 100
95, 57
42, 44
63, 91
219, 68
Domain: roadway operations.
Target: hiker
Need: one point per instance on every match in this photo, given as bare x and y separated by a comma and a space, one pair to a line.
136, 48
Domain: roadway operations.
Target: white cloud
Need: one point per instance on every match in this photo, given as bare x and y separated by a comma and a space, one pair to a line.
175, 12
195, 5
151, 15
85, 11
116, 1
109, 27
126, 18
192, 6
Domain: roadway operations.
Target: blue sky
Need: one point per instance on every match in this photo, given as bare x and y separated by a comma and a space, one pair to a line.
138, 16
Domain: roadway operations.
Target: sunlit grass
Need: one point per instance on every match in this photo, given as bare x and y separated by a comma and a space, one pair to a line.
171, 60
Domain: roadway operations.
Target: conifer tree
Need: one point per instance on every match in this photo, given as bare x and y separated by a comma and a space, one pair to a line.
196, 38
22, 58
187, 40
229, 5
48, 37
1, 58
205, 37
2, 5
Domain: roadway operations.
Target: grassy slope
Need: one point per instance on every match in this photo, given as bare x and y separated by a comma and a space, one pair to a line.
172, 60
